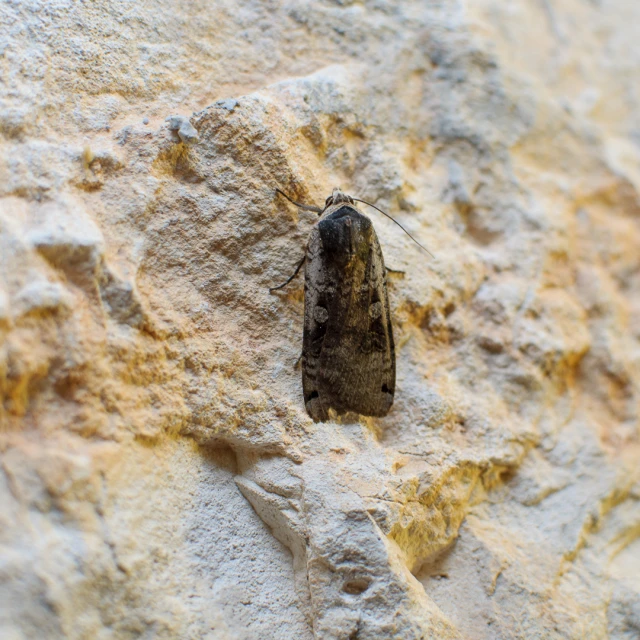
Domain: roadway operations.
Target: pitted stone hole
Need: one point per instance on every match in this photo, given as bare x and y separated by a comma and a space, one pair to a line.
356, 586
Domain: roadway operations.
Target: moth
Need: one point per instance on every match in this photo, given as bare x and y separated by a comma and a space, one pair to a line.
348, 354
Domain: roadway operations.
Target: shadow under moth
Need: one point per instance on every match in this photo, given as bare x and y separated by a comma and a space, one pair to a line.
348, 355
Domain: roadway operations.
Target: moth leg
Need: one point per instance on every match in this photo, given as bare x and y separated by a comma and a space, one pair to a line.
297, 364
306, 207
295, 273
394, 271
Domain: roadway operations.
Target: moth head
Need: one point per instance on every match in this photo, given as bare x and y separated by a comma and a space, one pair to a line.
337, 197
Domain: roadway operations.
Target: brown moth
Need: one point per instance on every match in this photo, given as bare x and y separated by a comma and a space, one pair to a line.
348, 355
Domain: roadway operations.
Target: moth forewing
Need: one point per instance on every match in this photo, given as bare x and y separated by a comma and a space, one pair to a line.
348, 357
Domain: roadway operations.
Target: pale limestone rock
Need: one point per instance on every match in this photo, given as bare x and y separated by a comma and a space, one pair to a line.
159, 475
183, 128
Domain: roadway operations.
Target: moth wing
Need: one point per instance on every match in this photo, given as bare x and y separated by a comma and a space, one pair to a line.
348, 348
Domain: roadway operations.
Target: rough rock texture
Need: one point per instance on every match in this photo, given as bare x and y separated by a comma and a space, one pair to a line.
160, 477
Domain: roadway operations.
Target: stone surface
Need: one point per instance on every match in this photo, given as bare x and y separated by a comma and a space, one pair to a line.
160, 477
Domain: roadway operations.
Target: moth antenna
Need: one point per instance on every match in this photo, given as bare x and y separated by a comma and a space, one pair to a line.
305, 207
394, 220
